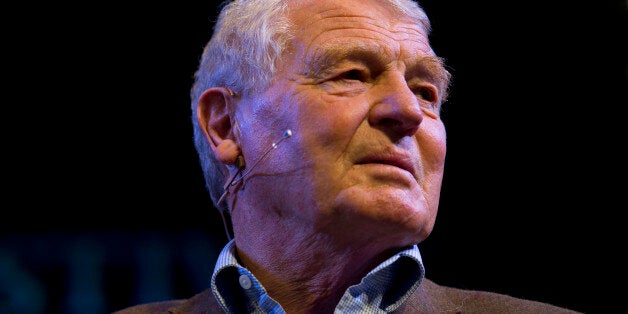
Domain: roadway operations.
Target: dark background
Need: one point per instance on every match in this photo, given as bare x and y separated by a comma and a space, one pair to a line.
104, 203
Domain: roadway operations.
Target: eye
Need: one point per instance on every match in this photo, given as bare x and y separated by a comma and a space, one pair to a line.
352, 75
427, 93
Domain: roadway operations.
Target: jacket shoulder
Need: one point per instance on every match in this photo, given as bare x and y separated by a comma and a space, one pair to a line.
433, 298
202, 303
154, 307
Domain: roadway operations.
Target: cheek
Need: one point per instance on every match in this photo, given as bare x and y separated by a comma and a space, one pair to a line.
432, 140
325, 130
432, 144
328, 127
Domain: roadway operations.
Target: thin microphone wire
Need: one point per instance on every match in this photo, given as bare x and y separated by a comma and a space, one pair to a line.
286, 134
232, 181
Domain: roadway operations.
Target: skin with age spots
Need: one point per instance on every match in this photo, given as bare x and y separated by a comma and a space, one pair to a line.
361, 176
332, 219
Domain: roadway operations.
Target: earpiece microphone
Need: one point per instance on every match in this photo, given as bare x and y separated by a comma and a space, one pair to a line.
233, 182
286, 134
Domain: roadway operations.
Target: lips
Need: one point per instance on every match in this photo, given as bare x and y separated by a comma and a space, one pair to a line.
396, 159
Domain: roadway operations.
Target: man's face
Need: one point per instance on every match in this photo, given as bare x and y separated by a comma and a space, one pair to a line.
358, 89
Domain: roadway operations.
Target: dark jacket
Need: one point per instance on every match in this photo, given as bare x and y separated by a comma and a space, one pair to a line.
428, 298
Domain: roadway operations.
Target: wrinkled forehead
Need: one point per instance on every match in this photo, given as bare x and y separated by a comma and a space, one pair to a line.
324, 28
304, 13
310, 8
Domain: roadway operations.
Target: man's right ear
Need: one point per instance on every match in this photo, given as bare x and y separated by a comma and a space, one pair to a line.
216, 120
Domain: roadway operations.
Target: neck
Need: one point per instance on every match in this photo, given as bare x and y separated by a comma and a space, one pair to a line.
308, 272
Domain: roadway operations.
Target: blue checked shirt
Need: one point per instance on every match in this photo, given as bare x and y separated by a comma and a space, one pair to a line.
382, 290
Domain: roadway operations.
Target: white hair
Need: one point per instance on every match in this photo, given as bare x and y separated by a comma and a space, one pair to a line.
249, 38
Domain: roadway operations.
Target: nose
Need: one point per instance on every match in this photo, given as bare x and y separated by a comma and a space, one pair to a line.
396, 108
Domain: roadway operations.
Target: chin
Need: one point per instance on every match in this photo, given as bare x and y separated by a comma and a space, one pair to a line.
400, 235
388, 214
414, 227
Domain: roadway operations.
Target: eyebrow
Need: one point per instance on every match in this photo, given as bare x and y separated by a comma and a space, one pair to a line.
431, 68
328, 56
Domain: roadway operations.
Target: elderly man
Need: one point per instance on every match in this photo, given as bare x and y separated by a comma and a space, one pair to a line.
318, 128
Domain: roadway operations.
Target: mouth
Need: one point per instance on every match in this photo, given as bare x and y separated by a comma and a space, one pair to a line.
397, 160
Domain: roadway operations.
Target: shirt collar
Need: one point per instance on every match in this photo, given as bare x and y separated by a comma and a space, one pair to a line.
237, 289
387, 286
383, 289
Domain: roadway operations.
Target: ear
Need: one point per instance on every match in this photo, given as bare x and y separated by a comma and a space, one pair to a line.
216, 120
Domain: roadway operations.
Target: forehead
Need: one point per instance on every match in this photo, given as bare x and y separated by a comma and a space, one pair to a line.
323, 25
